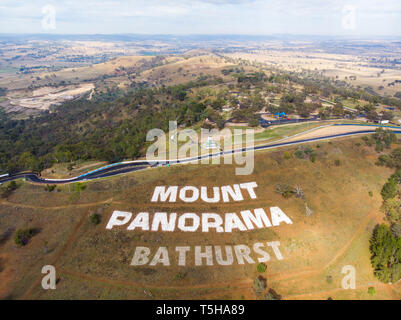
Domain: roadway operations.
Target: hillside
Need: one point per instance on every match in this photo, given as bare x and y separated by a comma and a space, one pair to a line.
342, 188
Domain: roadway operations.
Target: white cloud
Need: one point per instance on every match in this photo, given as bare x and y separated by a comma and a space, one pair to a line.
202, 16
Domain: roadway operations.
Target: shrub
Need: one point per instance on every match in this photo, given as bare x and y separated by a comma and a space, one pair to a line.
372, 291
384, 160
22, 236
367, 141
260, 285
272, 295
9, 189
285, 190
370, 194
308, 151
180, 276
299, 154
390, 189
337, 163
95, 219
261, 267
78, 187
50, 188
329, 279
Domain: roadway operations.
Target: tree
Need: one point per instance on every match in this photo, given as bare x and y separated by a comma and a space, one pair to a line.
390, 189
372, 115
396, 157
299, 193
392, 209
396, 230
253, 120
304, 110
338, 110
308, 211
260, 285
272, 295
7, 190
285, 190
387, 115
95, 219
261, 267
22, 236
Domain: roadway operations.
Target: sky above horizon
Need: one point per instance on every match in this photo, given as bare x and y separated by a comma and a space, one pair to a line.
258, 17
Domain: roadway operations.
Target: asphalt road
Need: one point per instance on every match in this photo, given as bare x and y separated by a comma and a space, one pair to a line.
131, 166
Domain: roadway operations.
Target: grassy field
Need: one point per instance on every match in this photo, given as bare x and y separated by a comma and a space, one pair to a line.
94, 263
62, 170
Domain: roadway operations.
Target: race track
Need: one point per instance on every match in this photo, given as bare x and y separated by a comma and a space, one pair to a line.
131, 166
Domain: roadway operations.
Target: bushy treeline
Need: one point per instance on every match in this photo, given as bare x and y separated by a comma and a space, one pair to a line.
386, 254
327, 87
385, 243
103, 130
381, 139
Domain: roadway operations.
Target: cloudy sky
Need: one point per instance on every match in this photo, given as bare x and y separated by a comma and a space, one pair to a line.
309, 17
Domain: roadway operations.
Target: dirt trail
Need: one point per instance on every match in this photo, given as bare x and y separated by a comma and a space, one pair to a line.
364, 223
70, 240
328, 292
78, 205
246, 282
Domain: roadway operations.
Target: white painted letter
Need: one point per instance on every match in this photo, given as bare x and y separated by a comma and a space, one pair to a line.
216, 195
161, 256
115, 219
218, 221
182, 222
276, 250
193, 198
279, 216
249, 186
260, 219
233, 222
160, 218
242, 252
257, 248
161, 192
141, 256
219, 257
141, 221
235, 194
182, 255
201, 255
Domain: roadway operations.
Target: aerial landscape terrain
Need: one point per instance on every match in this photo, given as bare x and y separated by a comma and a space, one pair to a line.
70, 108
217, 166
